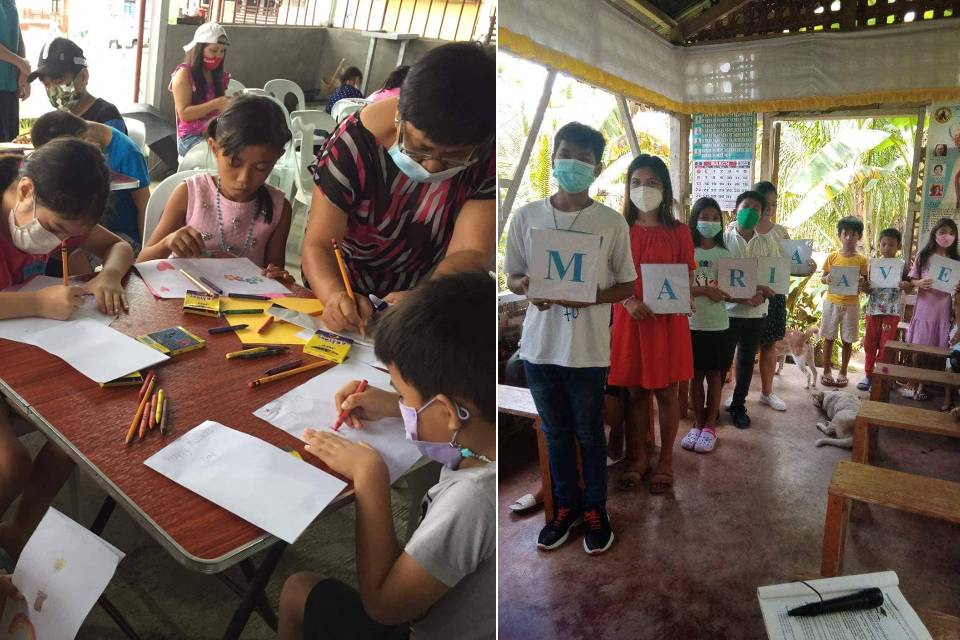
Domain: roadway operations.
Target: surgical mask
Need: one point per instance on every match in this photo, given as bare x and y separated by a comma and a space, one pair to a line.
64, 96
646, 198
449, 454
747, 218
573, 176
415, 171
945, 240
211, 63
709, 228
33, 237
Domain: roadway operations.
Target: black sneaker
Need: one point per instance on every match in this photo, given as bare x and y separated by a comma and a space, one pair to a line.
598, 535
739, 417
558, 530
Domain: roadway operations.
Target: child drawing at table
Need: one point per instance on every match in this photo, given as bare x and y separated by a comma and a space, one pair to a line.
234, 213
438, 344
55, 198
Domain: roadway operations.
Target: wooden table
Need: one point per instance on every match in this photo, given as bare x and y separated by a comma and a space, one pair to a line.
90, 423
884, 375
902, 348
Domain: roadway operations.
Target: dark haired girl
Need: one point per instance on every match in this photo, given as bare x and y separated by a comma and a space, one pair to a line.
199, 84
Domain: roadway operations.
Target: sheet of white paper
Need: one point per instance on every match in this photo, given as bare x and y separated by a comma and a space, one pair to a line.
774, 273
799, 252
666, 287
233, 275
945, 273
737, 277
95, 350
563, 265
844, 281
312, 405
885, 273
89, 308
252, 479
895, 620
62, 571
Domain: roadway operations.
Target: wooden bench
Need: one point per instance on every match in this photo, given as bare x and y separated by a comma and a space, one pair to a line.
894, 348
924, 496
881, 414
517, 401
884, 375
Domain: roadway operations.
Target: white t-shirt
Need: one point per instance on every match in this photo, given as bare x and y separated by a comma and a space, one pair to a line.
759, 246
456, 543
570, 337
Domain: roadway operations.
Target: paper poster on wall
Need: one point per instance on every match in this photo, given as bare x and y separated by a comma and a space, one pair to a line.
723, 149
885, 273
737, 277
945, 274
941, 180
844, 281
774, 273
564, 265
799, 252
666, 287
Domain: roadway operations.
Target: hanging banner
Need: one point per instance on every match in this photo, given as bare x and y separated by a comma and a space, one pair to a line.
723, 151
941, 180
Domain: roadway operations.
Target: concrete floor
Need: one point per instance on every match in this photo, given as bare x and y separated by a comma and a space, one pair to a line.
687, 565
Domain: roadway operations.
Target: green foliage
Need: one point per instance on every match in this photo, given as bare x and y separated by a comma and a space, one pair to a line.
539, 168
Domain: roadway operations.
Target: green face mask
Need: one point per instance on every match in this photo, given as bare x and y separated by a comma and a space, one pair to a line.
747, 218
64, 96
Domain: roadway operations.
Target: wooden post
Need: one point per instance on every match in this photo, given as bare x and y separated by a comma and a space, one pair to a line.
628, 124
913, 204
766, 145
834, 535
680, 161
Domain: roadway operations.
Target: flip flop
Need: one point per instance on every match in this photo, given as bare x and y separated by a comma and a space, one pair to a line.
632, 479
660, 483
842, 381
827, 380
524, 503
921, 396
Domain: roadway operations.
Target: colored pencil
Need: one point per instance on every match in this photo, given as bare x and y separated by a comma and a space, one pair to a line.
345, 413
322, 364
144, 399
161, 397
283, 367
346, 280
66, 267
228, 329
164, 425
212, 286
146, 382
240, 312
197, 282
247, 296
265, 325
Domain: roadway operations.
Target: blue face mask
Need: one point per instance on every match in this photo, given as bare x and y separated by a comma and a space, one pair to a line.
415, 171
573, 176
709, 228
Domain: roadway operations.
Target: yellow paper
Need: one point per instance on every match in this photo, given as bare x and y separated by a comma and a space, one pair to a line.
278, 332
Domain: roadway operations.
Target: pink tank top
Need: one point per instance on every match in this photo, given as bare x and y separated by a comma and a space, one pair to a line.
197, 127
242, 234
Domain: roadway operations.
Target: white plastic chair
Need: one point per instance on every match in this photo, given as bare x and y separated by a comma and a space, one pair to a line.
137, 131
158, 200
305, 157
234, 87
198, 157
316, 118
346, 106
280, 89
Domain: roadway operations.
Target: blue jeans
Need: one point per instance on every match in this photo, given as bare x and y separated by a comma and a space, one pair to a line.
186, 143
570, 403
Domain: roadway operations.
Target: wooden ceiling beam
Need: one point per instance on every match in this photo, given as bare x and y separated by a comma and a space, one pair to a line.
650, 11
719, 11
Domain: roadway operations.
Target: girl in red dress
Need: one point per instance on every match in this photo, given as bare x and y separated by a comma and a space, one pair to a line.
651, 353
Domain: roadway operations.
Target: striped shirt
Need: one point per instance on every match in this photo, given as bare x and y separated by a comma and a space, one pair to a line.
397, 229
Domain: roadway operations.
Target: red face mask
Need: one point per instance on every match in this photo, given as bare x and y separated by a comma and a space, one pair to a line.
211, 63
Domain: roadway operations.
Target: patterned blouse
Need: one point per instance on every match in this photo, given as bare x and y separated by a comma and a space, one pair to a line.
397, 229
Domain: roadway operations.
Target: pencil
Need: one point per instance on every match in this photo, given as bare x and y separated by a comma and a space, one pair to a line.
164, 427
197, 282
247, 296
322, 364
346, 280
160, 398
212, 286
343, 414
265, 325
139, 415
146, 382
283, 367
66, 267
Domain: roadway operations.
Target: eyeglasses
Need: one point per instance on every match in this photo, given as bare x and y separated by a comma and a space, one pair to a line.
420, 157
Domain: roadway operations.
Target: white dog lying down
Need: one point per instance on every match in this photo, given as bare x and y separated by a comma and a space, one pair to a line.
841, 408
800, 347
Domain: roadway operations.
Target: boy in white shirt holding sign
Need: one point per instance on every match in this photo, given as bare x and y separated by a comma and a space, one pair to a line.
566, 345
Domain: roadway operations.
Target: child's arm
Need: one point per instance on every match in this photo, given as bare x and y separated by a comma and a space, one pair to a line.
616, 293
140, 198
57, 303
117, 257
277, 248
825, 276
172, 235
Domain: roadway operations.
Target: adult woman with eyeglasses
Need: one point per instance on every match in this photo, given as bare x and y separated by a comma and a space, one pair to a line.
406, 187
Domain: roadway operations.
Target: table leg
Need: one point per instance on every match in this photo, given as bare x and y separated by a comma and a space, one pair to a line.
103, 516
860, 441
545, 480
263, 605
117, 618
834, 536
254, 591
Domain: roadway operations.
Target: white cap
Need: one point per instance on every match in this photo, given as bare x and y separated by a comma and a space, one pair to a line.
207, 33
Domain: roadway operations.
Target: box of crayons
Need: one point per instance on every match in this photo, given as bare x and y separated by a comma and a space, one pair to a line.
203, 304
328, 346
173, 342
135, 378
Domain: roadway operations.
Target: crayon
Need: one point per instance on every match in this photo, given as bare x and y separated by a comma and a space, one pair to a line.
283, 367
212, 286
241, 312
228, 329
247, 296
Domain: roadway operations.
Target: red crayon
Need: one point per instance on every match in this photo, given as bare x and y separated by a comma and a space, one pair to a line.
345, 413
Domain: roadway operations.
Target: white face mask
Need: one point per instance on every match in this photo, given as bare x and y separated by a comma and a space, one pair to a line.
32, 237
646, 198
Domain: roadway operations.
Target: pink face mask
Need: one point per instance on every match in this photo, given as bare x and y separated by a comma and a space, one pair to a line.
448, 454
946, 240
211, 63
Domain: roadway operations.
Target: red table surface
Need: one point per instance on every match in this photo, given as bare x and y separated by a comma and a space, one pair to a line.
201, 385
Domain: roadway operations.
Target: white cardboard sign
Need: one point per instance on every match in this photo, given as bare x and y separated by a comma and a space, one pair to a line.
737, 277
666, 287
945, 273
799, 253
845, 281
885, 273
774, 273
564, 265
